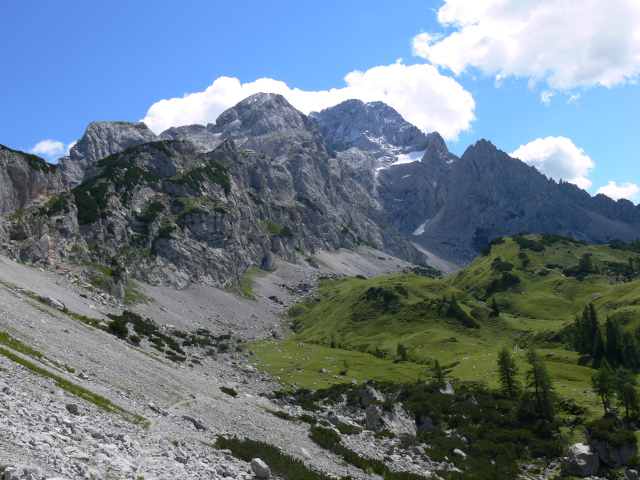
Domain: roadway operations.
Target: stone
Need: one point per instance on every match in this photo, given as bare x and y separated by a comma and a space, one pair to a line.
196, 423
305, 453
471, 401
397, 420
370, 394
72, 408
260, 469
52, 302
582, 460
447, 389
459, 453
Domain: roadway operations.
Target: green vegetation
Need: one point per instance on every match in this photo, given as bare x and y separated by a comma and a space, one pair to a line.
35, 162
310, 204
276, 229
116, 177
194, 177
281, 465
57, 203
229, 391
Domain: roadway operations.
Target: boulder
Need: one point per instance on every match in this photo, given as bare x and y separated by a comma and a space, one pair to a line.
582, 460
196, 423
447, 389
613, 455
52, 302
260, 469
369, 394
397, 420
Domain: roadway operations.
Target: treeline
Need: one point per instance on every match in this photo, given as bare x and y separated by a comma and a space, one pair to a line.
588, 337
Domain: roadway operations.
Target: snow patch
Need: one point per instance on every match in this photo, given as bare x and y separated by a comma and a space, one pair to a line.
420, 229
408, 158
399, 200
407, 175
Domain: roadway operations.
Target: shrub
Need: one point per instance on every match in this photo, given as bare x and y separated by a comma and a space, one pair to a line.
606, 431
229, 391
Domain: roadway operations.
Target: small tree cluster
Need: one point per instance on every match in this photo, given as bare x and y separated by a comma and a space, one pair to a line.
617, 346
622, 383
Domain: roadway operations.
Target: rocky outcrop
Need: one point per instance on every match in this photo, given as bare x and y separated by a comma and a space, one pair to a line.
372, 127
100, 140
37, 216
396, 419
612, 455
582, 460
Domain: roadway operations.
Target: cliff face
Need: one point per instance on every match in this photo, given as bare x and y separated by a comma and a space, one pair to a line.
37, 216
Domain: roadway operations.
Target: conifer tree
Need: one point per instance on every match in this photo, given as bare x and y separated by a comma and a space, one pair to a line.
439, 372
604, 383
539, 380
507, 371
625, 388
495, 312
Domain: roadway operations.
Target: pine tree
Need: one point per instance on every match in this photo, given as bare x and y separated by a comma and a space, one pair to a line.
507, 370
604, 383
612, 348
495, 311
402, 351
439, 372
625, 387
540, 381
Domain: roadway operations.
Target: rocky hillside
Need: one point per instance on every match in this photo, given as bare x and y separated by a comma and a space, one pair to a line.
455, 206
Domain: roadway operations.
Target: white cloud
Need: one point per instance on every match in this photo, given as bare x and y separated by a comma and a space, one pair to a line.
48, 148
558, 158
422, 95
545, 97
624, 190
573, 98
51, 149
565, 43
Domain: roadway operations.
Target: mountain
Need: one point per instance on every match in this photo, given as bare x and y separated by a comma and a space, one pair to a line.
100, 140
372, 127
454, 206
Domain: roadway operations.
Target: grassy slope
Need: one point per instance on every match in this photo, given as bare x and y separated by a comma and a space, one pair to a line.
533, 314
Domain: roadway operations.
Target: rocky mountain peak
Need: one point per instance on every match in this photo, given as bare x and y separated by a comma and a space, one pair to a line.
437, 155
373, 127
260, 114
100, 140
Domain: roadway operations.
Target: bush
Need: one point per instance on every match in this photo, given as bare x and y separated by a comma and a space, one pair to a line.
606, 431
229, 391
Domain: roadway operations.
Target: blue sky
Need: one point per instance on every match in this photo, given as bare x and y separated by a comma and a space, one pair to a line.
552, 81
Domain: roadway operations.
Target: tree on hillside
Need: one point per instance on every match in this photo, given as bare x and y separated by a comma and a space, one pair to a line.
439, 372
540, 398
604, 383
495, 311
612, 351
402, 351
625, 388
507, 371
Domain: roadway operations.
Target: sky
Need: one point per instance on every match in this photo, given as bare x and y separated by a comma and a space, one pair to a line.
552, 82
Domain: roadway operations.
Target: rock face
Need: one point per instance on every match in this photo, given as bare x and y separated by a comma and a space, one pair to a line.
454, 206
37, 217
612, 455
99, 141
271, 186
582, 460
397, 420
372, 127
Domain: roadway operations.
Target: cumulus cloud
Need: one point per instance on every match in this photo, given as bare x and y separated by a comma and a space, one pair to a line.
558, 158
51, 149
565, 43
422, 95
624, 190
